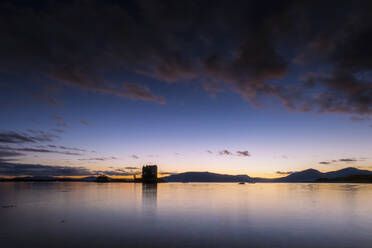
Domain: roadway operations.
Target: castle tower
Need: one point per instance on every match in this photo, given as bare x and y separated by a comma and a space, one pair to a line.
150, 174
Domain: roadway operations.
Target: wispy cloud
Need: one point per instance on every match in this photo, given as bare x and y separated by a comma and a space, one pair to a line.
229, 153
45, 151
10, 169
168, 173
84, 122
344, 160
72, 148
134, 156
225, 152
17, 169
325, 162
37, 150
97, 159
284, 172
19, 138
116, 172
7, 155
243, 153
347, 160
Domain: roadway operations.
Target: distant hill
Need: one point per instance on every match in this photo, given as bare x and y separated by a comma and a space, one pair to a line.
205, 177
60, 179
350, 171
311, 175
308, 175
349, 174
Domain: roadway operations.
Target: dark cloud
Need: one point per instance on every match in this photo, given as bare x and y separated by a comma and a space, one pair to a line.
134, 156
325, 162
8, 155
210, 152
225, 152
237, 153
131, 168
243, 153
284, 172
14, 169
342, 93
45, 151
19, 138
13, 137
10, 169
345, 160
37, 150
244, 46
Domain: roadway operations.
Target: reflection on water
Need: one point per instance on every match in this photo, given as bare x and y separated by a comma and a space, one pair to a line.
185, 215
149, 195
149, 198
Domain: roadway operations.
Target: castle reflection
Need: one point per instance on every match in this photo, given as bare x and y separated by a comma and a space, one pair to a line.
149, 197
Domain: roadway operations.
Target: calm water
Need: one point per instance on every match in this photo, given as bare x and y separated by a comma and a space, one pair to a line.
185, 215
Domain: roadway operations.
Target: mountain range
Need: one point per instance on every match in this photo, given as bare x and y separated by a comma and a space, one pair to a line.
206, 177
309, 175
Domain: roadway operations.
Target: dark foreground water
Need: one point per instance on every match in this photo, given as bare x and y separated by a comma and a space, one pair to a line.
185, 215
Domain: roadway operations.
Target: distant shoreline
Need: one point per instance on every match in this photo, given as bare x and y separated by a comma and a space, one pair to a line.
346, 175
118, 181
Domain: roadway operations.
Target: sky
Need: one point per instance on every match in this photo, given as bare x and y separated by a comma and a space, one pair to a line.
263, 88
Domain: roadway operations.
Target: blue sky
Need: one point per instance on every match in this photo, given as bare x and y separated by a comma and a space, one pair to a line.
178, 135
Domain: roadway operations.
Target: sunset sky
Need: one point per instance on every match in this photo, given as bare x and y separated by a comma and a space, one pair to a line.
262, 88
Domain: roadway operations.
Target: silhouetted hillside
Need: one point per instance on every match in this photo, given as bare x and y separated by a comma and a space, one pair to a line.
205, 177
308, 175
61, 179
346, 172
311, 175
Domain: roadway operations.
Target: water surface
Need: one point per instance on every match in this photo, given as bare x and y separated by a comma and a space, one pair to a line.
185, 215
